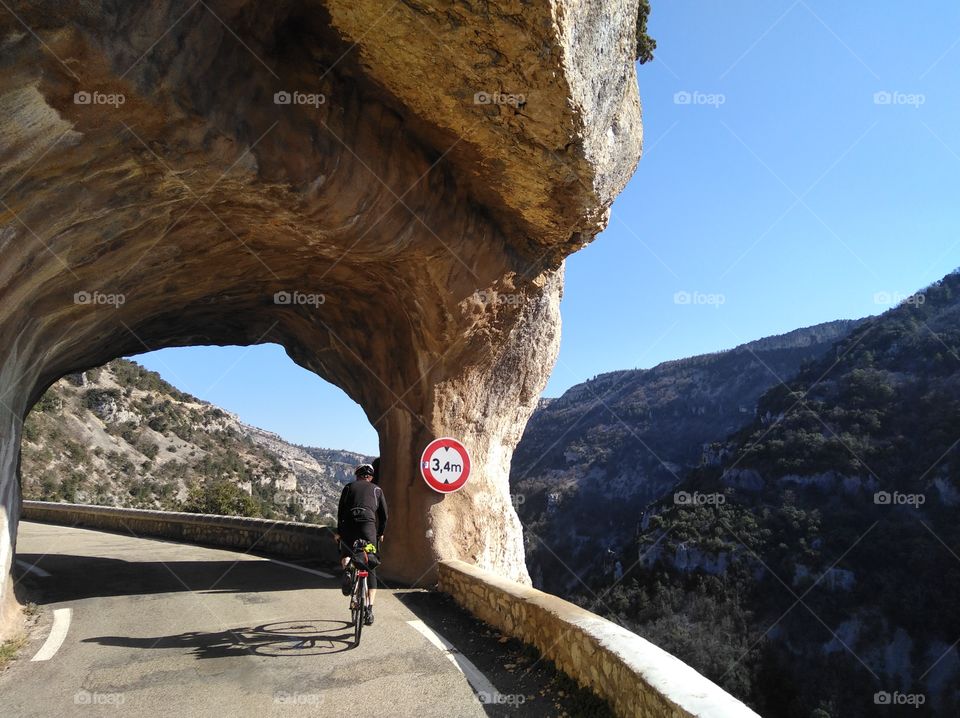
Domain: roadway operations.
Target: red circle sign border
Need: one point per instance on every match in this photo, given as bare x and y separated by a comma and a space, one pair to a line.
425, 472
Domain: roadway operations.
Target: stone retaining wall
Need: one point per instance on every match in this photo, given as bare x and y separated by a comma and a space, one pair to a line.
279, 538
632, 674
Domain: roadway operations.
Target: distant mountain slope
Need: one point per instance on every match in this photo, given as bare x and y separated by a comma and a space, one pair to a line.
843, 491
338, 463
122, 436
590, 460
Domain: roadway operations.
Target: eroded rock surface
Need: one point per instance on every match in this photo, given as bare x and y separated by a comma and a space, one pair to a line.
397, 219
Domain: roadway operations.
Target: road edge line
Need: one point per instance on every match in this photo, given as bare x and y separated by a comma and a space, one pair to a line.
58, 634
480, 683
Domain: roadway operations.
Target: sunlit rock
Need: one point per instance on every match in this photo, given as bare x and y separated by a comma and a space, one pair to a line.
387, 191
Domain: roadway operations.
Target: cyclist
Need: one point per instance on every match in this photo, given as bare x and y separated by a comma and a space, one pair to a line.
361, 515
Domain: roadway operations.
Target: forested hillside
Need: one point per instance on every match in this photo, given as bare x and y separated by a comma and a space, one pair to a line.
811, 564
591, 460
120, 435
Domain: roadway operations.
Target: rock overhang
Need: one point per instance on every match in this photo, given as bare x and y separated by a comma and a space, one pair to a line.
459, 152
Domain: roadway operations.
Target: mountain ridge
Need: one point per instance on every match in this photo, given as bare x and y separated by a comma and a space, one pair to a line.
793, 339
121, 435
806, 564
620, 440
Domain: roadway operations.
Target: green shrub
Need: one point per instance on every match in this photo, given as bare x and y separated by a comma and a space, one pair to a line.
92, 398
220, 497
49, 402
31, 428
76, 454
146, 446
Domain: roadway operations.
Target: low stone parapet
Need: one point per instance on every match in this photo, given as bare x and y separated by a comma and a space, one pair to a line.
278, 538
632, 674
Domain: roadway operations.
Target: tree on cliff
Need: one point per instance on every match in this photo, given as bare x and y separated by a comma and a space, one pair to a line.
645, 44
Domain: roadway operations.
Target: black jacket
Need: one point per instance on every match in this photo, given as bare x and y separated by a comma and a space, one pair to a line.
361, 503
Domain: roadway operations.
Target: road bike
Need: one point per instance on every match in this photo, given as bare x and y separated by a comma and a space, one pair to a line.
363, 559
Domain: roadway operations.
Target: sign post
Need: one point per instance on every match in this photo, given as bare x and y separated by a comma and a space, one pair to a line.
445, 465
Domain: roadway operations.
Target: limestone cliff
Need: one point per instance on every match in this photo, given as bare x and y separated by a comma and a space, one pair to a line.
120, 435
360, 182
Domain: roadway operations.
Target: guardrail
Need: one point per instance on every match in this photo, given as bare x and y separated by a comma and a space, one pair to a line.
279, 538
632, 674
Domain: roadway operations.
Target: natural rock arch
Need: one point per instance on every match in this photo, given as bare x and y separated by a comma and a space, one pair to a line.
433, 220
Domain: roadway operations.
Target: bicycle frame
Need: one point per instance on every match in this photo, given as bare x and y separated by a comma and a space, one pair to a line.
359, 601
359, 596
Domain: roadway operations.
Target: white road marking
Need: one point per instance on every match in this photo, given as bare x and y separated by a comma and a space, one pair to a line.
29, 568
322, 574
58, 633
481, 685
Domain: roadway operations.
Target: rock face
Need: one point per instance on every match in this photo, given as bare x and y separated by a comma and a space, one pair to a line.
121, 436
388, 191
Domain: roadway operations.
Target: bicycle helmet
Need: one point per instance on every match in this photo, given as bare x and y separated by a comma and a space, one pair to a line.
363, 470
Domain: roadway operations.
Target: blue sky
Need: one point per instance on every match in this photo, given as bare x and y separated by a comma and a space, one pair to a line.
802, 162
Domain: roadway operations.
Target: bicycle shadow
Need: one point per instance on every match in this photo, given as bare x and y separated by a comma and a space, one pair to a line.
281, 639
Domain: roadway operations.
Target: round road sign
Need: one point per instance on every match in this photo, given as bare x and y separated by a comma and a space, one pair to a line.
445, 465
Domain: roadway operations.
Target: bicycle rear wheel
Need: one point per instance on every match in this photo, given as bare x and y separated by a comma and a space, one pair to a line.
355, 608
356, 618
360, 601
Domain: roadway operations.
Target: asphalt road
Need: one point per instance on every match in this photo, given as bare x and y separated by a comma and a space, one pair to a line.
161, 629
157, 628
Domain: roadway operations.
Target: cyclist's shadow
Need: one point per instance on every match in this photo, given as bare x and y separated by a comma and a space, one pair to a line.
278, 640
